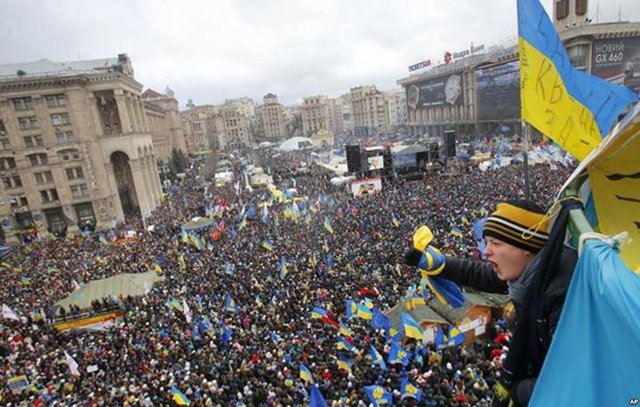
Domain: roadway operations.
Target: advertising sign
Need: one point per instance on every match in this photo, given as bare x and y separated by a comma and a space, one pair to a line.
498, 91
617, 60
444, 91
375, 163
366, 186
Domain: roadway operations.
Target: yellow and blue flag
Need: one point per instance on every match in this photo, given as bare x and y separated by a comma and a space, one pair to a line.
376, 358
327, 225
409, 390
230, 304
455, 231
344, 363
345, 330
351, 308
368, 303
179, 397
173, 303
441, 340
573, 108
318, 313
364, 312
266, 243
343, 344
313, 261
446, 291
305, 373
398, 355
456, 336
411, 328
378, 395
283, 268
394, 220
379, 320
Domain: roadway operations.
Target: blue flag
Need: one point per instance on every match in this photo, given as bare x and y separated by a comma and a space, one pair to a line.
316, 399
378, 395
594, 353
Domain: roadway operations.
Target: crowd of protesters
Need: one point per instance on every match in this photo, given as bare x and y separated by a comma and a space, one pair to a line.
252, 355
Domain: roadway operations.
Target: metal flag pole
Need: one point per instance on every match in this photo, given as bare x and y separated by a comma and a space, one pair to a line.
525, 154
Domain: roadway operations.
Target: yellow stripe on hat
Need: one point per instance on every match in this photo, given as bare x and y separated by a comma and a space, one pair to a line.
522, 216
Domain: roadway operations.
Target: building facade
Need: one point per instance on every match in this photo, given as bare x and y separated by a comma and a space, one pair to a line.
368, 112
200, 134
480, 94
76, 146
315, 115
165, 124
272, 119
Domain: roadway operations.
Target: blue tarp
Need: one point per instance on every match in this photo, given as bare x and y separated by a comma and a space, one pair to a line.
593, 359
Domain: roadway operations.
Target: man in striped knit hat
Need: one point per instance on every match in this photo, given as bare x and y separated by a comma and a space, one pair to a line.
515, 235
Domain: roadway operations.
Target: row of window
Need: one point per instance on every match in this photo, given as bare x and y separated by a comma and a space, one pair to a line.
49, 195
31, 122
42, 178
62, 137
38, 159
26, 103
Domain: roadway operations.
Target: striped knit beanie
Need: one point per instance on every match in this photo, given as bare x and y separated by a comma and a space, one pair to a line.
517, 226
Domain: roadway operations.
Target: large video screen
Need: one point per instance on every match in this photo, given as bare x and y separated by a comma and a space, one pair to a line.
447, 90
617, 60
498, 92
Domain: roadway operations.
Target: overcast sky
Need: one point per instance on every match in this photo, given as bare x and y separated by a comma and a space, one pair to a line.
211, 50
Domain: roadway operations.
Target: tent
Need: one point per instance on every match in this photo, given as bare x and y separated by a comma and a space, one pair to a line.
295, 143
123, 284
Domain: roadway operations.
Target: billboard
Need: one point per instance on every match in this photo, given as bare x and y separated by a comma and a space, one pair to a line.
498, 92
617, 60
375, 163
444, 91
366, 186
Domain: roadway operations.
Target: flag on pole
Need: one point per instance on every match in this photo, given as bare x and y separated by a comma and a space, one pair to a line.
187, 311
378, 395
571, 107
316, 399
327, 225
72, 364
179, 397
8, 313
305, 373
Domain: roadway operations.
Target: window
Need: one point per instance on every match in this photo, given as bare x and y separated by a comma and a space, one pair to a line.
74, 173
28, 123
7, 163
49, 195
80, 190
5, 145
38, 159
44, 177
578, 56
70, 154
64, 137
33, 141
581, 7
60, 119
12, 182
562, 9
20, 104
56, 100
18, 201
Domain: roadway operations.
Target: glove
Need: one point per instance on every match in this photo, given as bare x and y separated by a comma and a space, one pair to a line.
502, 397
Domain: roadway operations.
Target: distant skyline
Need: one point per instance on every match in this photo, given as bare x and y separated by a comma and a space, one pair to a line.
210, 51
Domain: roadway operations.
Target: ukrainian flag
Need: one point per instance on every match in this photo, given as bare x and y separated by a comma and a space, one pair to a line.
368, 303
573, 108
344, 363
179, 397
457, 232
440, 340
446, 291
267, 245
344, 330
364, 312
411, 328
283, 268
318, 313
305, 373
351, 308
327, 225
343, 344
395, 221
398, 355
230, 304
376, 357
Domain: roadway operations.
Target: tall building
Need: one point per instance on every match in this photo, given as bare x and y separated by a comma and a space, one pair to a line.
76, 146
272, 118
164, 121
315, 115
200, 134
367, 110
395, 108
234, 123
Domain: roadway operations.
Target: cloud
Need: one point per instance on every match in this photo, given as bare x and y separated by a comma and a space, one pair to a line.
214, 50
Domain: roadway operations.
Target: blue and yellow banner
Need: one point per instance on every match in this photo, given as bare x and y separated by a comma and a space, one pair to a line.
574, 109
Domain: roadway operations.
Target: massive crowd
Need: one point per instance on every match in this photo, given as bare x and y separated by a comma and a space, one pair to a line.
253, 353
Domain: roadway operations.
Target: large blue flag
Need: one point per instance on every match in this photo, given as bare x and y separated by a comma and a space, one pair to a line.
593, 359
378, 395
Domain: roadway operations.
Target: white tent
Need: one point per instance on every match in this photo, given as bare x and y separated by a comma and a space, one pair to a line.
295, 143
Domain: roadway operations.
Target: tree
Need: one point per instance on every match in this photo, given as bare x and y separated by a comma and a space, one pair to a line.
177, 161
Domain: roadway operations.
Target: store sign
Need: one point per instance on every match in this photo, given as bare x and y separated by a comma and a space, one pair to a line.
420, 65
